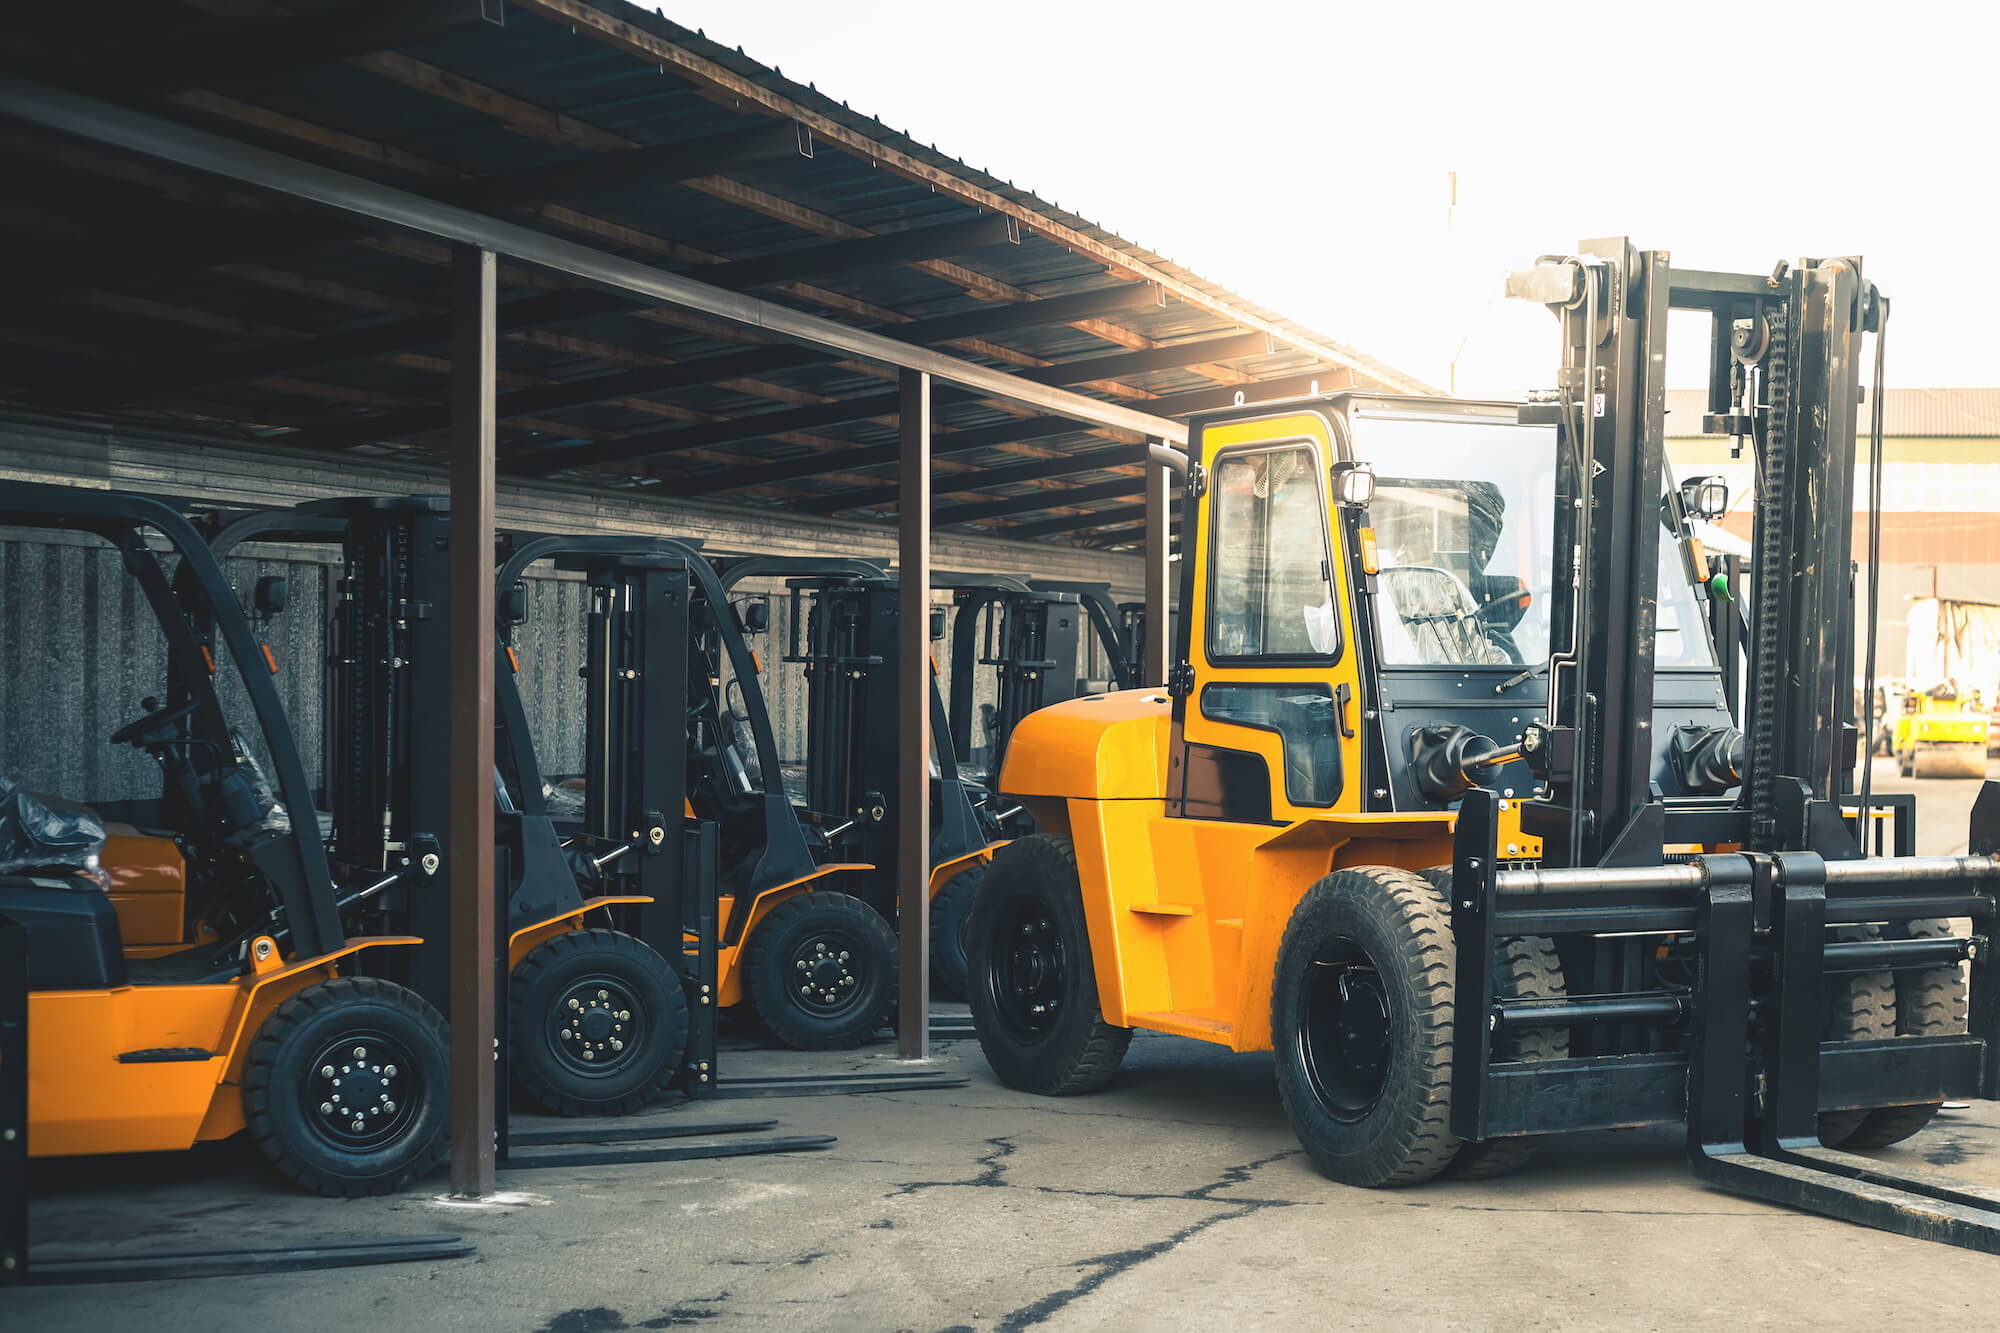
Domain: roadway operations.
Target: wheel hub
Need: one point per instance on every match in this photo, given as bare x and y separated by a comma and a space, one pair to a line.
594, 1026
359, 1092
1344, 1031
825, 972
1028, 980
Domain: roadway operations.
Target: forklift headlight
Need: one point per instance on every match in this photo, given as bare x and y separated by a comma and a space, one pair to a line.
1353, 483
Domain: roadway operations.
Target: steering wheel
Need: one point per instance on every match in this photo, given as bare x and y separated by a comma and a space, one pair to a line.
137, 732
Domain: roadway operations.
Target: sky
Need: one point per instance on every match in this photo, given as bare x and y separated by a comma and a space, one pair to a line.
1302, 154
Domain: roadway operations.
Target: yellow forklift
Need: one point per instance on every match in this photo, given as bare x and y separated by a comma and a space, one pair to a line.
188, 975
1446, 807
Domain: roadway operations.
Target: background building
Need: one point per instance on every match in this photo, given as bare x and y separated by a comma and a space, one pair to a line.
1940, 498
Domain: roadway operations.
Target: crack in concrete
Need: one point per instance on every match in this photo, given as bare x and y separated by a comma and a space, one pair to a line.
993, 1173
1104, 1267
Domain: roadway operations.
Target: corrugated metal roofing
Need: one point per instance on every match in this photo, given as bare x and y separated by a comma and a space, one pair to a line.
1922, 414
146, 283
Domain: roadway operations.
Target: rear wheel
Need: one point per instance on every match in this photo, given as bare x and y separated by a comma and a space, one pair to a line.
822, 971
347, 1087
1524, 967
1362, 1026
1931, 1002
1859, 1007
598, 1023
1032, 985
950, 911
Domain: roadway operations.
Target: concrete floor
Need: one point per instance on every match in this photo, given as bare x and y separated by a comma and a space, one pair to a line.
1177, 1196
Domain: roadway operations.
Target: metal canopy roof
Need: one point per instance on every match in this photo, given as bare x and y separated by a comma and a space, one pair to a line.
146, 288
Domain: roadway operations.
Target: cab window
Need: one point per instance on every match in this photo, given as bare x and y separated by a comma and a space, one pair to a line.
1270, 593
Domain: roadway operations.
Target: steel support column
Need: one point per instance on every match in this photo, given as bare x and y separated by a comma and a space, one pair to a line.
471, 871
913, 719
1159, 534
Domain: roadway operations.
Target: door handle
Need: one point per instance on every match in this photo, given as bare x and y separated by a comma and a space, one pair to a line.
1342, 696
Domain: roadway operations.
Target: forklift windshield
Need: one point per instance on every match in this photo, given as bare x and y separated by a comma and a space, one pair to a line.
1464, 519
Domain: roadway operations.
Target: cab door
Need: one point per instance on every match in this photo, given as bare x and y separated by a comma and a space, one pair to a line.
1267, 694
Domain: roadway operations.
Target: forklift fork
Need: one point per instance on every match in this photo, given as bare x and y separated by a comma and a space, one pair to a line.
1780, 1158
1757, 1072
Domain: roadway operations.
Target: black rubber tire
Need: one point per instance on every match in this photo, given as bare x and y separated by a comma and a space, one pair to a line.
1524, 967
1860, 1006
950, 910
1931, 1002
639, 989
817, 929
1388, 932
284, 1093
1033, 882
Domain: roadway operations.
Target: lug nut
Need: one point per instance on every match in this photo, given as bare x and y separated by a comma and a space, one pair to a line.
390, 1107
326, 1071
359, 1124
361, 1052
390, 1070
326, 1108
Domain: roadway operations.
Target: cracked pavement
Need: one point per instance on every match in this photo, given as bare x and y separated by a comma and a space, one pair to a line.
1177, 1194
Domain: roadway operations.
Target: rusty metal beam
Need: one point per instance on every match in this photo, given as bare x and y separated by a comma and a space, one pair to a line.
913, 722
475, 938
1038, 500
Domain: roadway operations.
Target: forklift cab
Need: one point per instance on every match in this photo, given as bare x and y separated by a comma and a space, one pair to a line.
1372, 646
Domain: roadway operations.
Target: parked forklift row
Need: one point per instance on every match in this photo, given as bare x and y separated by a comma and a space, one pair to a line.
251, 950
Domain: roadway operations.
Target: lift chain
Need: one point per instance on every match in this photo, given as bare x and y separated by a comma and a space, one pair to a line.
1772, 558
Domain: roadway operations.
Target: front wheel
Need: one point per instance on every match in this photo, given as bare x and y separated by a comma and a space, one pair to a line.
1362, 1026
598, 1023
1031, 985
347, 1087
822, 971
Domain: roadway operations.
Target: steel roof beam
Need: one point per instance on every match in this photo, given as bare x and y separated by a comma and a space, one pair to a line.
530, 312
661, 164
272, 51
846, 460
1028, 504
1102, 518
739, 430
870, 455
865, 252
1171, 356
263, 240
67, 113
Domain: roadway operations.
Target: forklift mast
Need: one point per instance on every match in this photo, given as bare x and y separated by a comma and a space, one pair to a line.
843, 632
1032, 633
1785, 383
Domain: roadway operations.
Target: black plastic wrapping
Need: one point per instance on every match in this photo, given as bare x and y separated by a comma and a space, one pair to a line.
40, 832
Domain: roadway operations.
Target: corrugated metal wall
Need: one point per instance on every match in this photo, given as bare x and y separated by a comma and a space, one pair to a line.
79, 647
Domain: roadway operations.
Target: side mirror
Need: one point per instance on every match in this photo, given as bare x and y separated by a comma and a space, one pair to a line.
1353, 483
270, 595
756, 615
937, 623
1706, 497
515, 609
